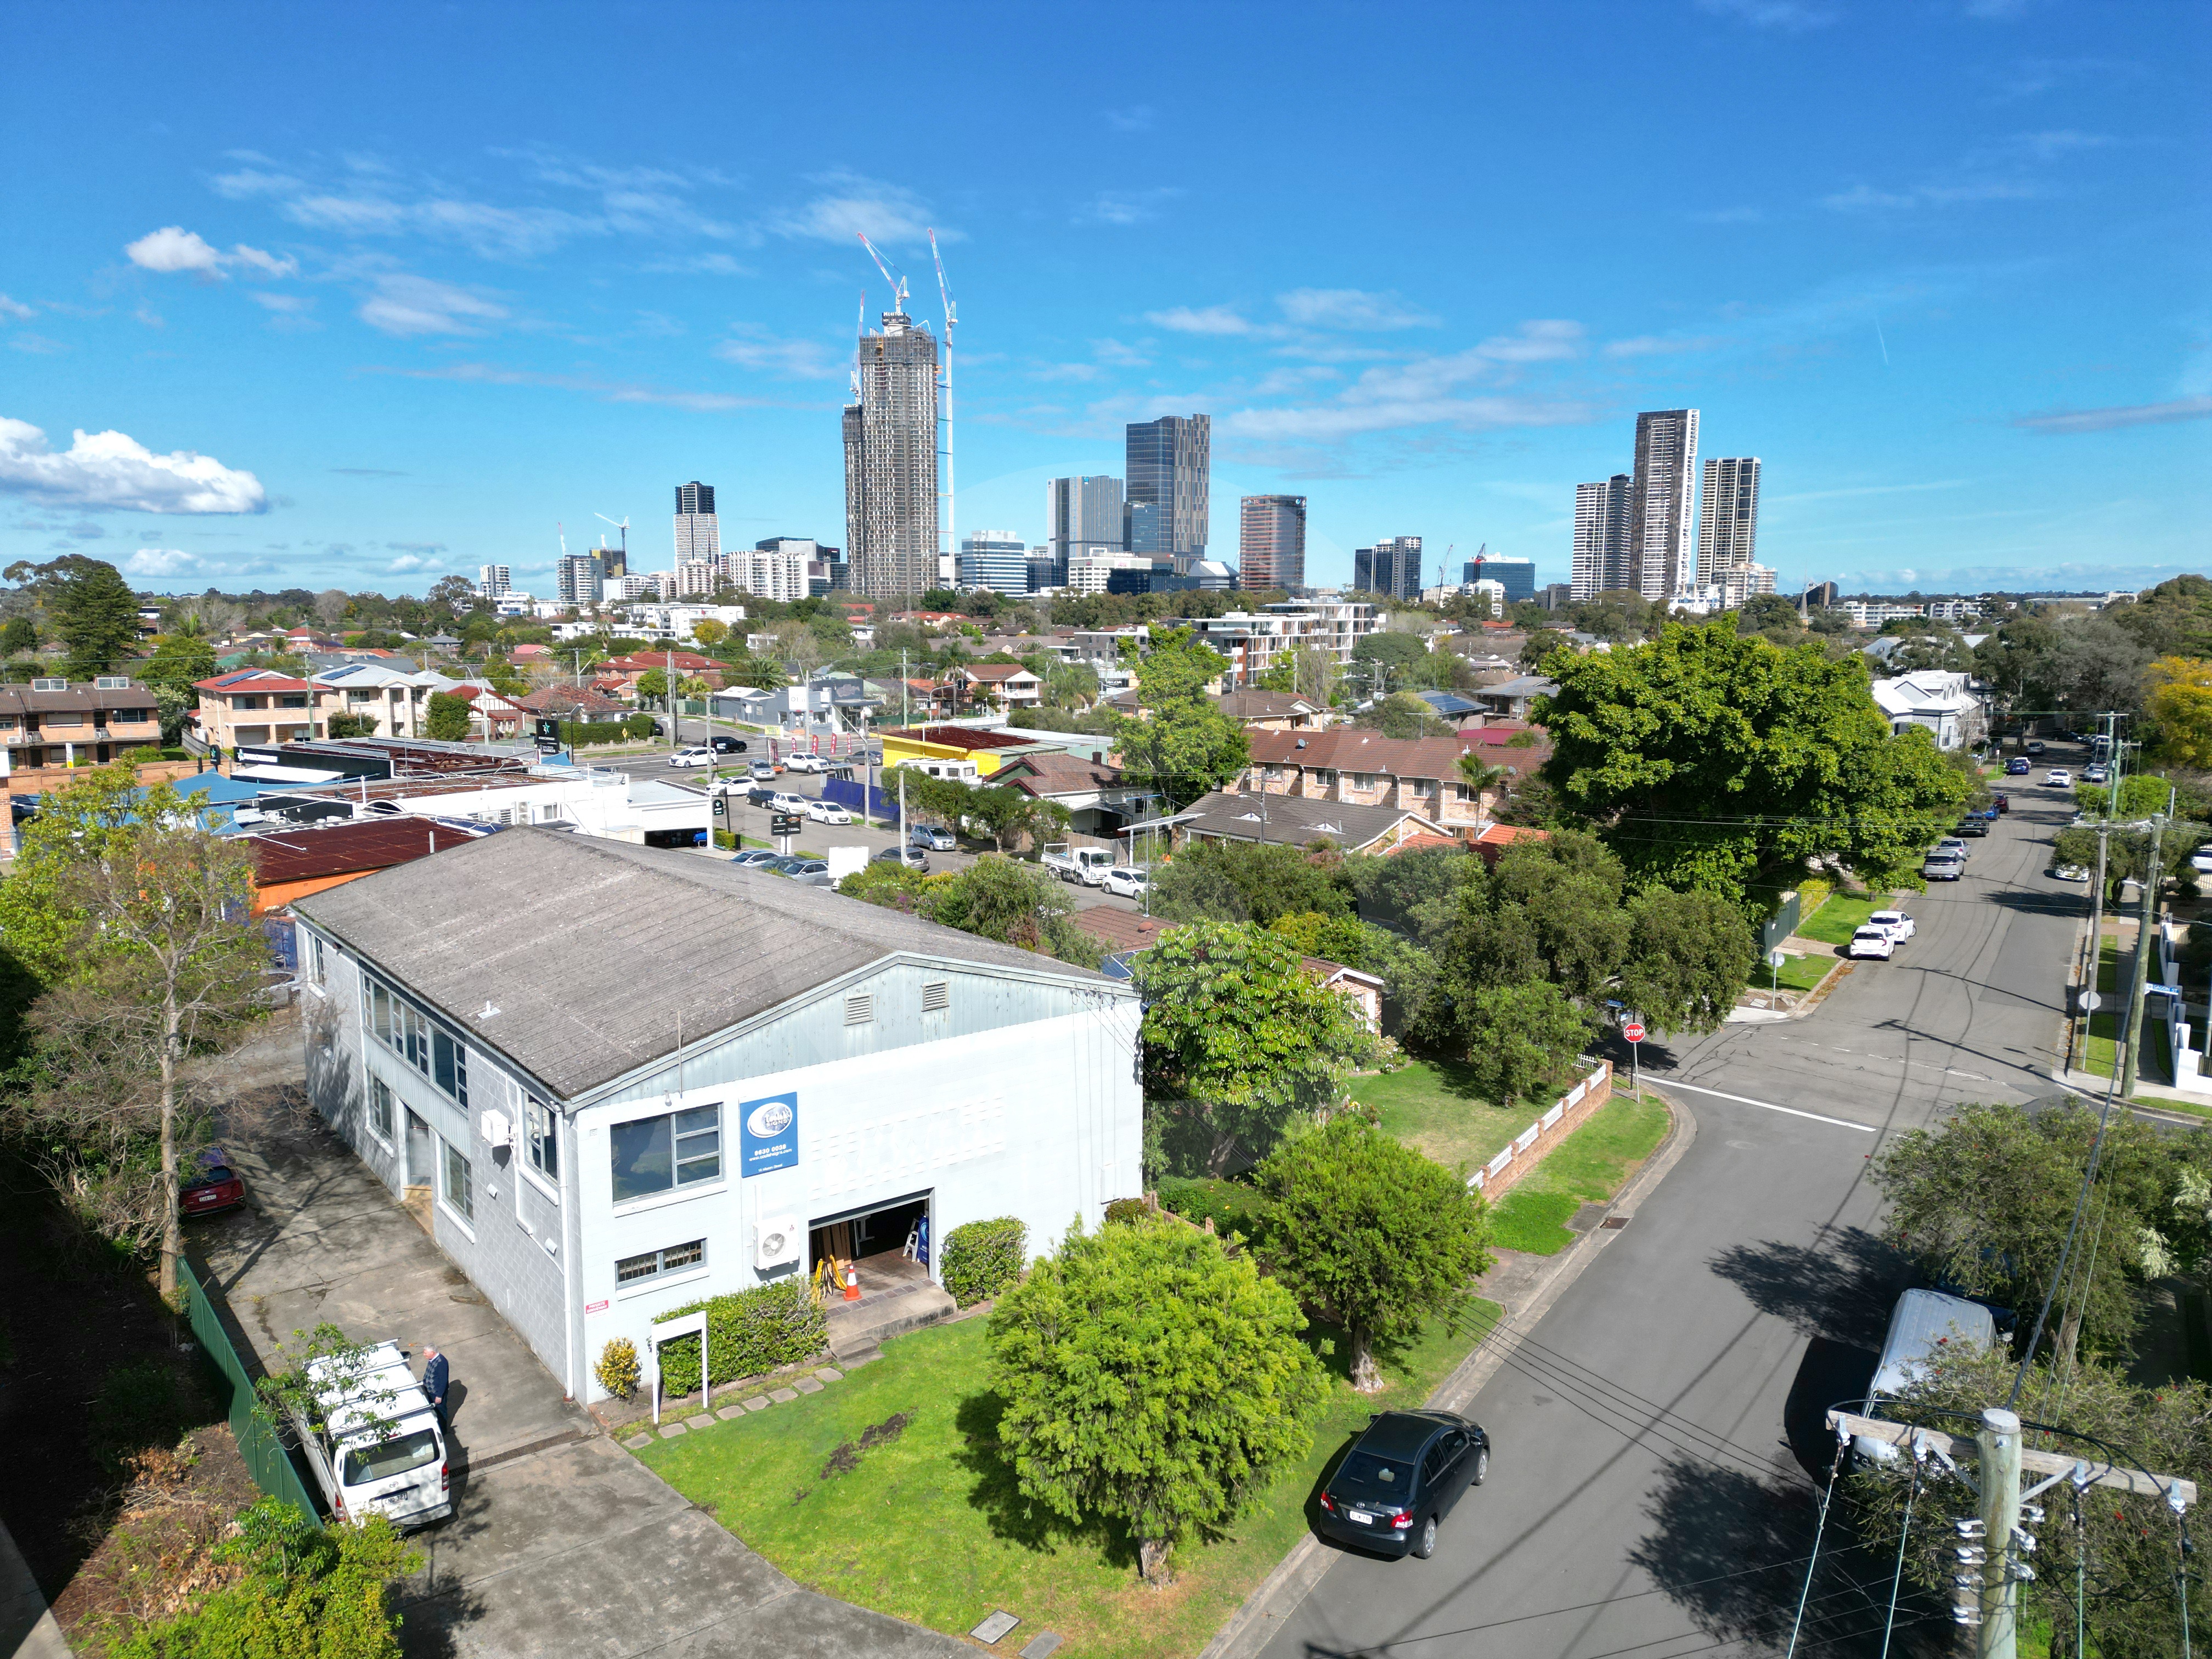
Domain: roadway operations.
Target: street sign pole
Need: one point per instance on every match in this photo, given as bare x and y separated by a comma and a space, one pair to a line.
1633, 1030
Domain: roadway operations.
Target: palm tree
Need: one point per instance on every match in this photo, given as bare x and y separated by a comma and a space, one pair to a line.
1480, 776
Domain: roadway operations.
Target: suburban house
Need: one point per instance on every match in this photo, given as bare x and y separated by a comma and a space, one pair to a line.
785, 1076
255, 705
578, 704
1365, 769
50, 722
398, 702
1941, 701
1126, 936
1497, 837
1293, 821
1513, 698
1273, 711
1004, 684
1097, 800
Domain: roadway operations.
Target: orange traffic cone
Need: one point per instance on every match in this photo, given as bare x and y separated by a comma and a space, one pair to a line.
852, 1283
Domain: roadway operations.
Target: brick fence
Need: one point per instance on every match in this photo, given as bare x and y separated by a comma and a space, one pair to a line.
1529, 1148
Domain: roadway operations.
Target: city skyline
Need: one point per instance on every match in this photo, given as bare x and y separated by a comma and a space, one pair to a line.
307, 346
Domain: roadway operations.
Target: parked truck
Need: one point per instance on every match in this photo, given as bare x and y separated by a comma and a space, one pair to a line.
379, 1448
1087, 864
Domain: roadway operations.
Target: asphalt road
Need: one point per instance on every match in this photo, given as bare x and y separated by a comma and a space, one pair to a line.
1644, 1496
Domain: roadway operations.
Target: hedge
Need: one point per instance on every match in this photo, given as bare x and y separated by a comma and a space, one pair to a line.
579, 733
749, 1332
1232, 1208
982, 1258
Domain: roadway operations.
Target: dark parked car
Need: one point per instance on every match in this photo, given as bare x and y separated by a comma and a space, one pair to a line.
1972, 824
2018, 767
210, 1186
2001, 802
760, 795
1401, 1478
727, 745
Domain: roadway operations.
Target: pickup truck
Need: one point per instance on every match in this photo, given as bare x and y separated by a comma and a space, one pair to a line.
1087, 864
380, 1450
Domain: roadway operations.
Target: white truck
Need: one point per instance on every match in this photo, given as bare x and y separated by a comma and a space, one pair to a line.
1087, 864
380, 1450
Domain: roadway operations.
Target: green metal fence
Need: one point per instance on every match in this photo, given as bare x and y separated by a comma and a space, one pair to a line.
266, 1458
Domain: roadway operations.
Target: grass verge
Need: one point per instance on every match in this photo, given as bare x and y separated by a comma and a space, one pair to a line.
1795, 973
1835, 922
923, 1520
1434, 1107
1588, 1167
2103, 1046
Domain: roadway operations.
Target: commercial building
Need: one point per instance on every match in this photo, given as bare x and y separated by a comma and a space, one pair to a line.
51, 722
1167, 491
1271, 542
825, 566
1601, 563
997, 559
890, 462
578, 579
1046, 571
787, 1075
1112, 573
1515, 577
1727, 529
1391, 567
698, 532
1662, 556
493, 580
1085, 518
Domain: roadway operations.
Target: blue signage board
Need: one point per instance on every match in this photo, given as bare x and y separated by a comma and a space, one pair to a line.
768, 1135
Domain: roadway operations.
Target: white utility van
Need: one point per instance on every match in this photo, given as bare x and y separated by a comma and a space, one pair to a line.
380, 1451
1923, 1323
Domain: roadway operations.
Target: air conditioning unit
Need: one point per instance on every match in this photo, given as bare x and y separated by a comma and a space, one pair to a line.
497, 1131
778, 1243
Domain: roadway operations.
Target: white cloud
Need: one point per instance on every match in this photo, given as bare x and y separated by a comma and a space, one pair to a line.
1351, 309
1137, 118
1121, 357
110, 469
1542, 341
752, 348
2064, 422
250, 181
407, 306
1660, 345
160, 561
36, 344
1208, 320
407, 562
172, 249
289, 304
855, 206
1125, 207
700, 264
14, 311
1353, 419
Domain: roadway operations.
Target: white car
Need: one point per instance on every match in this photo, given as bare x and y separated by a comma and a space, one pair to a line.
1895, 923
2201, 859
804, 763
1871, 941
2058, 778
694, 757
783, 801
827, 811
2068, 872
1128, 880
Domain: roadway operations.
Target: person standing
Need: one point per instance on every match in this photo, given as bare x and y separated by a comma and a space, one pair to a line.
435, 1374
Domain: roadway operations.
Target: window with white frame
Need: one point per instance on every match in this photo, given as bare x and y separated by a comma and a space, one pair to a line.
381, 1116
653, 1155
459, 1181
675, 1259
311, 967
541, 1130
409, 1032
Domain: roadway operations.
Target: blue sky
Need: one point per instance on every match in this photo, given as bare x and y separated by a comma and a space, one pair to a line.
358, 297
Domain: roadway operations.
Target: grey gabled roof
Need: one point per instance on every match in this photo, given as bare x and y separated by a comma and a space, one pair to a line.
1294, 819
592, 951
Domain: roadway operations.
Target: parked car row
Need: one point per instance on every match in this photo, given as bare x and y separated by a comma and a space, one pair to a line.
1879, 934
812, 872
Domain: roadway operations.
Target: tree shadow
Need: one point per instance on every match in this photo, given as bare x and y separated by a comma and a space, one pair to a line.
1842, 1289
1011, 1514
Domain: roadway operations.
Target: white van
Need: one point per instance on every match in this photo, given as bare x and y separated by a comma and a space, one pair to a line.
1922, 1322
380, 1451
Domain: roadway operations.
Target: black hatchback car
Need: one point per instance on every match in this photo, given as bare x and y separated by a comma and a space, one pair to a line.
1401, 1478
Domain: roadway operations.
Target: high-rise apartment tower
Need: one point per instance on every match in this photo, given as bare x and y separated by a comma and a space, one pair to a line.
1663, 557
698, 533
578, 580
1601, 555
1728, 522
1169, 508
493, 580
890, 462
1391, 567
1271, 543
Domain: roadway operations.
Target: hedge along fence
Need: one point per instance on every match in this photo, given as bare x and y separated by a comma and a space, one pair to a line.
982, 1258
748, 1333
580, 734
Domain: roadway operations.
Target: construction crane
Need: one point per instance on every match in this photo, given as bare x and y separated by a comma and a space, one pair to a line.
952, 317
898, 284
624, 527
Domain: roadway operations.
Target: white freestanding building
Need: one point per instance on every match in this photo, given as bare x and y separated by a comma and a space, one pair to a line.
632, 1079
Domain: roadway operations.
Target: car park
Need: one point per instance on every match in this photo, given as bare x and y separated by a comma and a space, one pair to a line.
783, 800
827, 811
1899, 925
1127, 880
1871, 941
1400, 1480
725, 745
1941, 866
912, 857
804, 763
211, 1187
695, 755
760, 795
930, 838
2017, 767
2058, 778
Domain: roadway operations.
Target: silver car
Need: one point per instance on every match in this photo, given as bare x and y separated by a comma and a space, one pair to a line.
1941, 866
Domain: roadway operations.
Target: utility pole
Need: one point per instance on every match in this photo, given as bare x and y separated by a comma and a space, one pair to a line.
2139, 969
1999, 1443
675, 720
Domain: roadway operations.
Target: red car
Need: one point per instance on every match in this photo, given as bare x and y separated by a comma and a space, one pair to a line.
2001, 802
212, 1185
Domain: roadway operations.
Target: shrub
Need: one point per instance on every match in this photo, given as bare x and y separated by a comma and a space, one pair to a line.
139, 1405
749, 1332
1231, 1207
982, 1258
617, 1370
1128, 1209
579, 734
638, 726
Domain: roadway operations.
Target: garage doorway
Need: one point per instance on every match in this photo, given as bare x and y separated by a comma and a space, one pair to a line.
875, 1237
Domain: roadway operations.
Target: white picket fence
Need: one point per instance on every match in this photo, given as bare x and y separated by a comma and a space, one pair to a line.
1523, 1143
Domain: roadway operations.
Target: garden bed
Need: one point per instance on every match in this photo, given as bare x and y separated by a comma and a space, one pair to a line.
890, 1491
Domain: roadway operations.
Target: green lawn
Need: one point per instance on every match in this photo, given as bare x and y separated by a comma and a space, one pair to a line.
1434, 1106
2105, 1024
1795, 973
1587, 1168
1835, 922
926, 1523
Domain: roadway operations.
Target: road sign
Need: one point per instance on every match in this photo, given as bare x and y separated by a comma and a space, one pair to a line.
2091, 1002
1633, 1031
1777, 959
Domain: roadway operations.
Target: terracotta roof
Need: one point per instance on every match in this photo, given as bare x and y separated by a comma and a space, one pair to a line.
995, 670
1418, 843
251, 679
1058, 775
1504, 834
1347, 748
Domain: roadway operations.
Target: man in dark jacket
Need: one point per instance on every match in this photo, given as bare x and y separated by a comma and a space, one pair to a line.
434, 1383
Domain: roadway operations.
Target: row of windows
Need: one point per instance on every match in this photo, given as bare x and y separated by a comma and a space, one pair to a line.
677, 1257
417, 1038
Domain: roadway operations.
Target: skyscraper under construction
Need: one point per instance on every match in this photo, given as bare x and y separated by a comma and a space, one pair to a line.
890, 462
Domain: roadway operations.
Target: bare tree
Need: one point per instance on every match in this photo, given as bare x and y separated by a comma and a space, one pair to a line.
799, 645
331, 607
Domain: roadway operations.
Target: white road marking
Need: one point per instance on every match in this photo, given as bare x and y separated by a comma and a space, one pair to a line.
1666, 1082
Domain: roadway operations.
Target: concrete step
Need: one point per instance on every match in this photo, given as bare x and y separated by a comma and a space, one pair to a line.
856, 1326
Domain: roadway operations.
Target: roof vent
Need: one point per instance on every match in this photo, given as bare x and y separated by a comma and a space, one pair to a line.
935, 997
49, 685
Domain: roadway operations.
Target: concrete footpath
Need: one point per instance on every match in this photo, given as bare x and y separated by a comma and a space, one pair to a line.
27, 1630
1526, 1286
560, 1543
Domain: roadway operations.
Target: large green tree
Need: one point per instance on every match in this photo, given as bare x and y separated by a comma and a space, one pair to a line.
1689, 955
1364, 1228
449, 717
1712, 760
94, 611
1017, 903
178, 661
1182, 746
1522, 1039
1237, 1041
1250, 881
1152, 1379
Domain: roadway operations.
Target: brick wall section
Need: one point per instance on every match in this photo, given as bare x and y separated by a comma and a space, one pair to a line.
1535, 1143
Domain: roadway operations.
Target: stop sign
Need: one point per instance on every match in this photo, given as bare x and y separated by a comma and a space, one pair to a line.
1633, 1031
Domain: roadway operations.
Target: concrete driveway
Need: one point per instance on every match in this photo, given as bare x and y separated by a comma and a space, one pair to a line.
560, 1543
